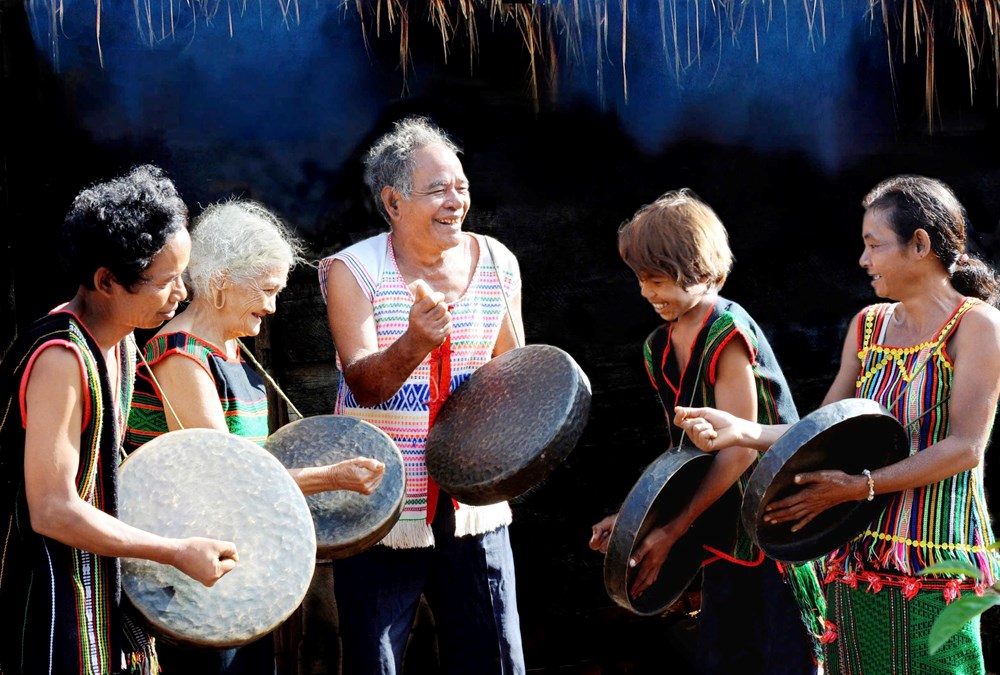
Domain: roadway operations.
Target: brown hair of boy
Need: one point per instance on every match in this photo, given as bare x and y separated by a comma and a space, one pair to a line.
678, 236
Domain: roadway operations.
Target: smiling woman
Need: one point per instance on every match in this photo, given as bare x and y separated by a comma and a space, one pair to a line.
194, 376
930, 357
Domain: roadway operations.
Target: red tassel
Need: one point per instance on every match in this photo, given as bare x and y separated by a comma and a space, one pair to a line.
851, 579
911, 586
833, 568
951, 591
831, 576
873, 580
830, 634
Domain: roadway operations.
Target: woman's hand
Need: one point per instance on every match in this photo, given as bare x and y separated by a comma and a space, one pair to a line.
823, 490
652, 553
360, 474
600, 533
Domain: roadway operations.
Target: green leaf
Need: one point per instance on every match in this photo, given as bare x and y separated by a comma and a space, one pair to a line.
953, 567
995, 546
957, 614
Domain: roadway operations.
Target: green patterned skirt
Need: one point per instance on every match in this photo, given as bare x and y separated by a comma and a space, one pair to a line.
883, 633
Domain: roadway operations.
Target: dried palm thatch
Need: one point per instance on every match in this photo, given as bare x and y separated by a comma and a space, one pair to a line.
911, 27
450, 17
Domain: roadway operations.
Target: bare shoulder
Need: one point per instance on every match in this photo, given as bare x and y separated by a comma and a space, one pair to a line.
978, 333
54, 385
179, 362
341, 284
983, 319
56, 362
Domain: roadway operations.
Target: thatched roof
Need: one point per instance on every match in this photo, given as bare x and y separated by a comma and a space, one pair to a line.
550, 28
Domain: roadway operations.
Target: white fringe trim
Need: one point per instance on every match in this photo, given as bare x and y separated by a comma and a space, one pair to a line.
409, 534
469, 520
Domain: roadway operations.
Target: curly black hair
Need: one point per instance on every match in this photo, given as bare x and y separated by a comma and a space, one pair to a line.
121, 224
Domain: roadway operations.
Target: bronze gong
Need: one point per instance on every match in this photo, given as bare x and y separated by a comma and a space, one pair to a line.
346, 522
662, 491
849, 435
509, 425
208, 483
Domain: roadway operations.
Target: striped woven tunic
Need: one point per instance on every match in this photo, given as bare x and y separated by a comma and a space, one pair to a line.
241, 390
61, 603
942, 521
476, 320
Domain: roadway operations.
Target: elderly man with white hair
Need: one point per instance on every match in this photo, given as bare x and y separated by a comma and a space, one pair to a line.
413, 313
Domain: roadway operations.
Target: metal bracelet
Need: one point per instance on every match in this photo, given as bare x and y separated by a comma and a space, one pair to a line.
871, 484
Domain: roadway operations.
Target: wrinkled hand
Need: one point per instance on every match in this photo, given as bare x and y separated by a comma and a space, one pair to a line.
708, 428
206, 560
823, 490
430, 320
600, 533
651, 555
360, 474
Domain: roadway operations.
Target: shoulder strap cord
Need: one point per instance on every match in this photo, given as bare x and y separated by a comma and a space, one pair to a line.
267, 376
503, 293
163, 396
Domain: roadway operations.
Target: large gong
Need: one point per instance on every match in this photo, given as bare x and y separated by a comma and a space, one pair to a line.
207, 483
849, 435
509, 425
662, 491
346, 522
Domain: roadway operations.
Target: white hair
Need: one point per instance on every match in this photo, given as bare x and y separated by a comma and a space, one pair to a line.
390, 159
238, 239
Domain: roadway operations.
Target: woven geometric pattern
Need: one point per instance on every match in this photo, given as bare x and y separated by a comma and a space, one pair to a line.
241, 390
405, 416
887, 634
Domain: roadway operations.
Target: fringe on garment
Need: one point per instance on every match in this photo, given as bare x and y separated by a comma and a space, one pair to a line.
469, 520
472, 520
806, 584
145, 662
139, 656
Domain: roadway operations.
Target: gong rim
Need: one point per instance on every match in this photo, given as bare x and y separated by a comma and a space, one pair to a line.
664, 488
848, 435
209, 483
346, 522
463, 453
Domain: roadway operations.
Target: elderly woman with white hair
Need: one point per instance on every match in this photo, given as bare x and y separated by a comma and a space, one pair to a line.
241, 255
